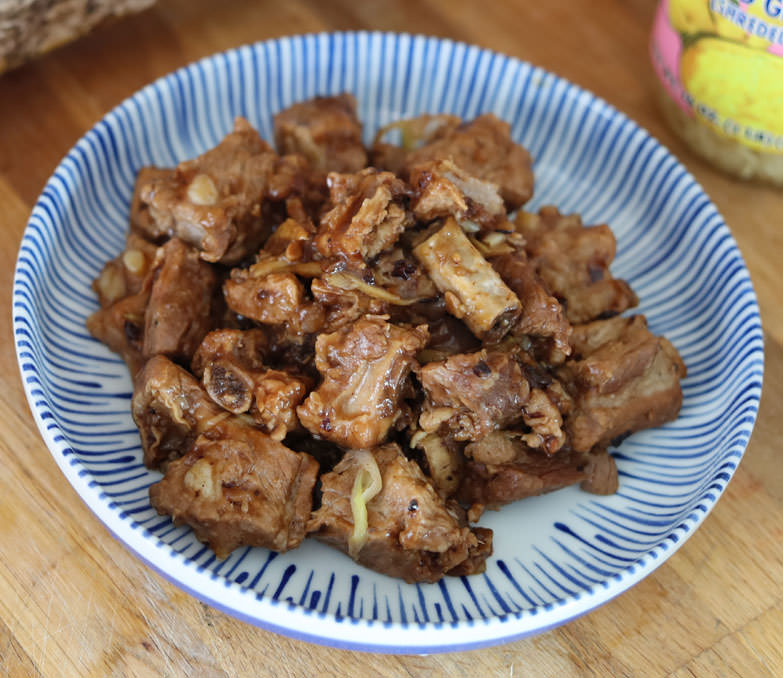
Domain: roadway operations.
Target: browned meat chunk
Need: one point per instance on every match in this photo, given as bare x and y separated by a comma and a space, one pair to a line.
483, 148
601, 473
472, 290
448, 336
502, 469
388, 157
326, 131
365, 369
541, 377
171, 410
236, 486
397, 271
543, 417
444, 460
573, 261
343, 293
405, 529
169, 304
342, 306
542, 316
442, 189
141, 222
180, 310
124, 275
277, 394
123, 289
414, 133
293, 178
473, 394
230, 364
289, 249
292, 241
244, 347
121, 326
273, 299
214, 201
470, 395
367, 215
622, 379
270, 290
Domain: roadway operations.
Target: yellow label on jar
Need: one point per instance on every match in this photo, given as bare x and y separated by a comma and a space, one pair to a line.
722, 62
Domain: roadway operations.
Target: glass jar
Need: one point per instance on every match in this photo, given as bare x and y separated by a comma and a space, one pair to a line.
720, 81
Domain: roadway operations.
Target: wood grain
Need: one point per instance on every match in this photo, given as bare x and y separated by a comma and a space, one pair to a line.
74, 602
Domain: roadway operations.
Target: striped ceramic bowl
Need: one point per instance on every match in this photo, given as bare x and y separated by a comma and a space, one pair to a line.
557, 556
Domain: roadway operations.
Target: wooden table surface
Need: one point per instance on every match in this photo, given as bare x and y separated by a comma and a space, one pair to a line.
74, 602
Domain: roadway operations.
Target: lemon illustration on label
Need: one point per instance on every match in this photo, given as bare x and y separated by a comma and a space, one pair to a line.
739, 89
691, 16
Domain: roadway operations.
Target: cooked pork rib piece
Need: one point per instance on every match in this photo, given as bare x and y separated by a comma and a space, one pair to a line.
326, 131
398, 271
368, 213
277, 394
168, 311
601, 473
343, 306
244, 347
483, 148
411, 532
501, 469
365, 369
415, 133
180, 309
448, 336
214, 201
238, 487
121, 326
545, 421
297, 183
473, 291
124, 275
291, 241
444, 461
270, 290
123, 288
230, 363
542, 316
472, 394
573, 261
171, 410
622, 379
141, 222
442, 189
273, 299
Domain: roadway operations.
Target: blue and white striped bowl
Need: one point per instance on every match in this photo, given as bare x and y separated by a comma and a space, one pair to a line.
556, 556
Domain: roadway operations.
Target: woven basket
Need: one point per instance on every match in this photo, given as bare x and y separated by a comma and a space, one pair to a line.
31, 27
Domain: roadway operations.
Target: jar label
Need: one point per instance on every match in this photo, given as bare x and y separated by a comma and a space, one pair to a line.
722, 62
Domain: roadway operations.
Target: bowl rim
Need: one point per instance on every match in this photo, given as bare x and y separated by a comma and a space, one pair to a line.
296, 621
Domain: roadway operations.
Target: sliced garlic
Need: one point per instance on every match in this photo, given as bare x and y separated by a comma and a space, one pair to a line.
199, 478
134, 261
202, 191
